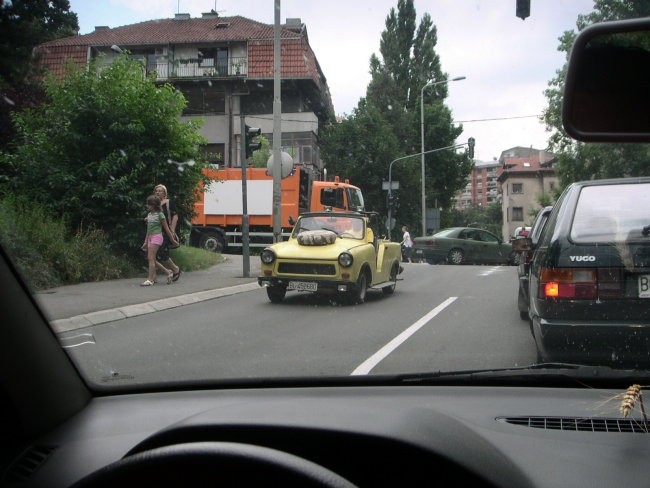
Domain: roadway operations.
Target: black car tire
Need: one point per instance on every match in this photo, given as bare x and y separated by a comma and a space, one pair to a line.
514, 258
358, 294
389, 290
456, 256
276, 293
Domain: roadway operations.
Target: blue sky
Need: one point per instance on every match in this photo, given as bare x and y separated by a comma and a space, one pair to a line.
507, 61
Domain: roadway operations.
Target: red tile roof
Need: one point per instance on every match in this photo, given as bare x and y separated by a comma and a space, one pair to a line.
298, 59
526, 164
176, 31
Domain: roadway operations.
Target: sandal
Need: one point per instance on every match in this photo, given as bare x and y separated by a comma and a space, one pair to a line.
176, 276
147, 283
170, 276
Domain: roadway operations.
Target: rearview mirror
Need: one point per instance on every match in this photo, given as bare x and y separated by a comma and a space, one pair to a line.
607, 86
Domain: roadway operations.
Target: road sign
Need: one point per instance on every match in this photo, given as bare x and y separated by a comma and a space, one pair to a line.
394, 185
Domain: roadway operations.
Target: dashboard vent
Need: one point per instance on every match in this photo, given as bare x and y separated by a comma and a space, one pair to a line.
584, 424
28, 463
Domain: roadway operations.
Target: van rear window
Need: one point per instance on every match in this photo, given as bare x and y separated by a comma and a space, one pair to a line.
611, 213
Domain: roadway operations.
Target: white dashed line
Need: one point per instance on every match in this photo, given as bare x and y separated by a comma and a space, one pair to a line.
376, 358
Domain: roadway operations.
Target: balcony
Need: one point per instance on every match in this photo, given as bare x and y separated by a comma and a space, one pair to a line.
200, 69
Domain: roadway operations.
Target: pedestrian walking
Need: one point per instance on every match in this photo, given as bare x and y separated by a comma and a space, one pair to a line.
156, 224
407, 244
164, 262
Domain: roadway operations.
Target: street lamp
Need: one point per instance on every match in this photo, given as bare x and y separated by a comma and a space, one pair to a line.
424, 198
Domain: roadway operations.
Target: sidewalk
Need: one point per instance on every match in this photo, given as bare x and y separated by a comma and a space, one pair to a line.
76, 306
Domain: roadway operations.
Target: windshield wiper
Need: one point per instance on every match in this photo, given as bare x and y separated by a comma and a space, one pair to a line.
541, 372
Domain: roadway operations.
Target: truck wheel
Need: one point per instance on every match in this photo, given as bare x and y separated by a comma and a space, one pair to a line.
276, 293
212, 241
358, 295
389, 290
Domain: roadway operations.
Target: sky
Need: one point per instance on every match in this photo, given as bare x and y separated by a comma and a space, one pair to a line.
507, 62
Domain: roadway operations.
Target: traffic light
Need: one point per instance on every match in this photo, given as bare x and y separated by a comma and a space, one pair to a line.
523, 9
251, 142
470, 145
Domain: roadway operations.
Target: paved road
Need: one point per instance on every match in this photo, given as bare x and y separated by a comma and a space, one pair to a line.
76, 306
440, 318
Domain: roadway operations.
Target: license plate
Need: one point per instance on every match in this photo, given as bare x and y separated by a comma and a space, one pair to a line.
644, 286
302, 286
418, 251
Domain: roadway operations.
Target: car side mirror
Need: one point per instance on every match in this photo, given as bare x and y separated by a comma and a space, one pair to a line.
522, 244
292, 221
607, 85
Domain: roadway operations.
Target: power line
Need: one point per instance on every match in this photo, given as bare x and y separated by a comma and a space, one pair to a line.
498, 118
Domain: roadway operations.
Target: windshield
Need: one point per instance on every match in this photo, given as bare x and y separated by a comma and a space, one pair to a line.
141, 205
342, 225
355, 197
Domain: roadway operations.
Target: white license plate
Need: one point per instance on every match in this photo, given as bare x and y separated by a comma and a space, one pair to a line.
302, 286
644, 286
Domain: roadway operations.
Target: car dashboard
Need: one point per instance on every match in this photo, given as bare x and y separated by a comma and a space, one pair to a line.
368, 435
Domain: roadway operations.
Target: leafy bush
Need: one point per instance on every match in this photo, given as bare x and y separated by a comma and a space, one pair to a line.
95, 150
47, 255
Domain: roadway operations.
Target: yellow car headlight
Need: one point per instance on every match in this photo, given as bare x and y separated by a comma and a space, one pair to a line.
267, 256
345, 259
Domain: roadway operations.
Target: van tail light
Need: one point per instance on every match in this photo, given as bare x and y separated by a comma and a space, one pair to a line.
580, 283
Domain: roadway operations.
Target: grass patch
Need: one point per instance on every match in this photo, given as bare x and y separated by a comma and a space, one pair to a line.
193, 258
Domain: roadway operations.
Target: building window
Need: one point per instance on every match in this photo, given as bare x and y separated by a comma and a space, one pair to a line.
517, 214
203, 100
517, 188
214, 153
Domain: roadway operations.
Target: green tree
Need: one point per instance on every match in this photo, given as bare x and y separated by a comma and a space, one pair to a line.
24, 24
407, 62
360, 148
262, 155
95, 150
583, 161
489, 218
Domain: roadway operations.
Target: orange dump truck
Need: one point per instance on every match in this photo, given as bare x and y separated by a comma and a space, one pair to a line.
217, 224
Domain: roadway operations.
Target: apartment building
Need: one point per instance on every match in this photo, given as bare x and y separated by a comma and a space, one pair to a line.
524, 175
224, 67
482, 186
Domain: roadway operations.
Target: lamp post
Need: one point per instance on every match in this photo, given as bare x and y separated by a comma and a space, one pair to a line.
424, 198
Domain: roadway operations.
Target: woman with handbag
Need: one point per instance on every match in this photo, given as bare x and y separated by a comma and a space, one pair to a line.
163, 261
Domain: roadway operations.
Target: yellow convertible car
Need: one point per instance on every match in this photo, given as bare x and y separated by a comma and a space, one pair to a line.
331, 252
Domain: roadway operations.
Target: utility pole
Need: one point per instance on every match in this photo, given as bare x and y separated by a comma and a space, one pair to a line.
277, 129
244, 196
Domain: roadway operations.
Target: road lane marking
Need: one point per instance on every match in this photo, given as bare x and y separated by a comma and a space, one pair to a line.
489, 271
376, 358
76, 341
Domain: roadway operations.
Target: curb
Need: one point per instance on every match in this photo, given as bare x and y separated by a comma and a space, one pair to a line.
120, 313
